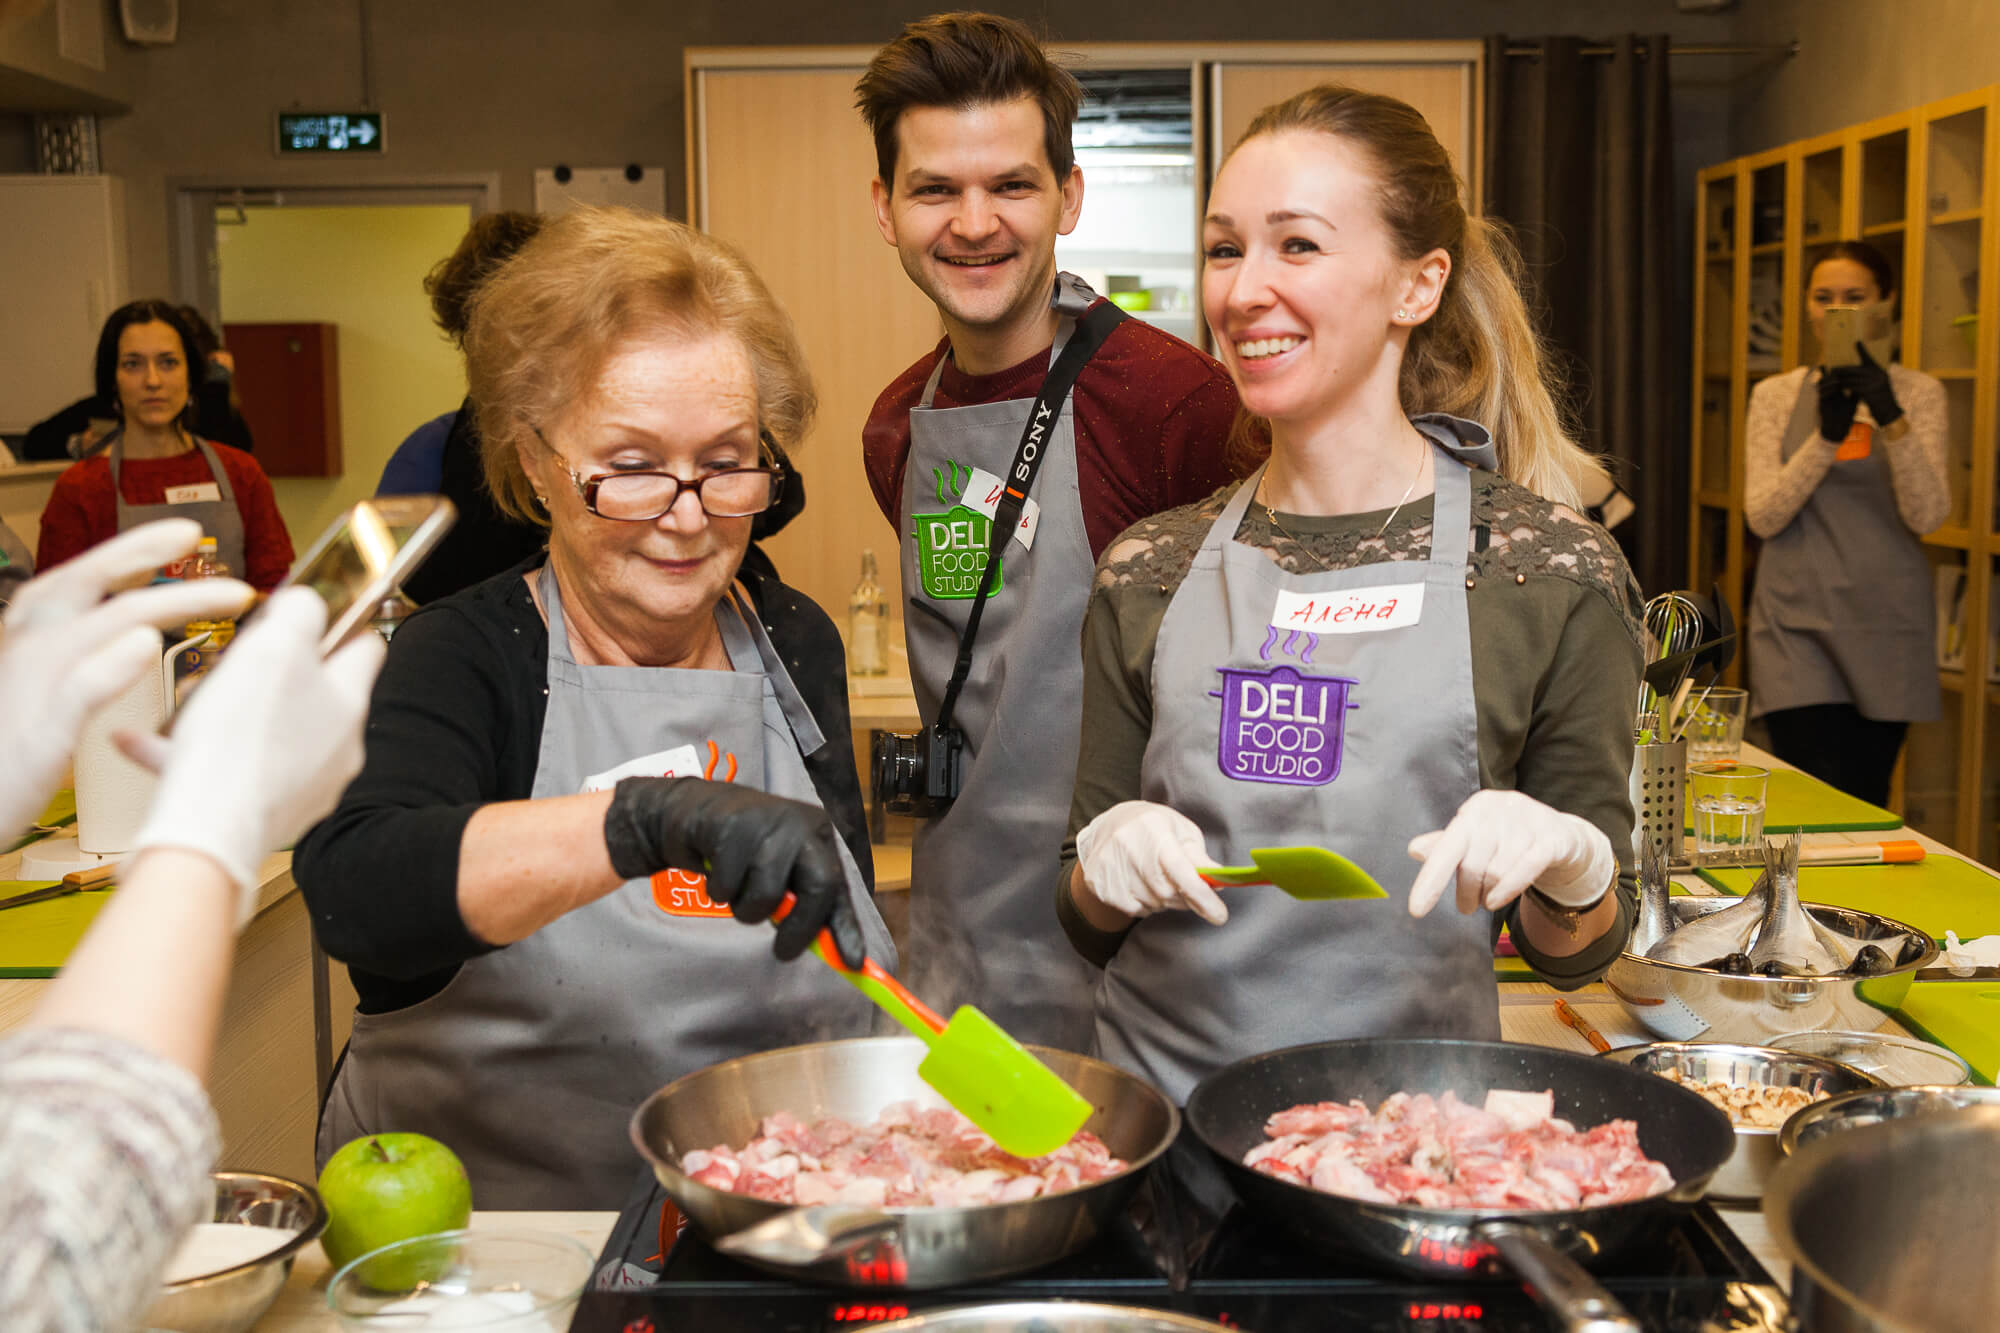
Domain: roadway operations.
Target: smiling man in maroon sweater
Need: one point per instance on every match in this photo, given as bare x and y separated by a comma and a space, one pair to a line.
976, 179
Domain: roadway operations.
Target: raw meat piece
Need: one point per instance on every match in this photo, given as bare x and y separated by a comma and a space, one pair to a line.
1438, 1152
910, 1155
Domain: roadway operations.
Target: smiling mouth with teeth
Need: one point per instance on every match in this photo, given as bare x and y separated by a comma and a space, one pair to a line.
975, 261
1263, 347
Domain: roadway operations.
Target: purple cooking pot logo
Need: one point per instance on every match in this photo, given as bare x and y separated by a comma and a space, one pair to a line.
1282, 726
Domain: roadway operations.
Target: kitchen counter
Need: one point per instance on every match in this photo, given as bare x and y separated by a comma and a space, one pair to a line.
277, 1035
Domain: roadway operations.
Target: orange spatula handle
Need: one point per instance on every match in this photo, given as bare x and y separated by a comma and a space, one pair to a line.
871, 978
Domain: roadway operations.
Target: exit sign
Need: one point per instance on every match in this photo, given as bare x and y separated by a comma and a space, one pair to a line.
330, 132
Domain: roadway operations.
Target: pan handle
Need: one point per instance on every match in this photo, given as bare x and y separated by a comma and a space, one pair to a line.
802, 1237
1557, 1281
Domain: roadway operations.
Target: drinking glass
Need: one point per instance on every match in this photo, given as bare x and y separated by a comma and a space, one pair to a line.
1728, 804
1715, 731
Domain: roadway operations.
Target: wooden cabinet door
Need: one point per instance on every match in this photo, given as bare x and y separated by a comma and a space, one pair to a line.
782, 163
288, 376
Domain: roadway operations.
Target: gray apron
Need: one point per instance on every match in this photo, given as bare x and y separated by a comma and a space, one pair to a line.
219, 518
1273, 736
532, 1059
1843, 610
983, 927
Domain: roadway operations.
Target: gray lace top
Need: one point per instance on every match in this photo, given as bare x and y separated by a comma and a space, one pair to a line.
1554, 618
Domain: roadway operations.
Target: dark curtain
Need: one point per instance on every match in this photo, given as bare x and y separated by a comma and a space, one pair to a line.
1579, 162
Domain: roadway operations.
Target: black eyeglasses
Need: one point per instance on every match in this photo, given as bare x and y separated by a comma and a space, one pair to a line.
636, 497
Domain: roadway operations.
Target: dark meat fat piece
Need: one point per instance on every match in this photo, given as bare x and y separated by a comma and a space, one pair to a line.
1512, 1152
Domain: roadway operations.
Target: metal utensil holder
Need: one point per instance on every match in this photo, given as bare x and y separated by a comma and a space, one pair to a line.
1659, 794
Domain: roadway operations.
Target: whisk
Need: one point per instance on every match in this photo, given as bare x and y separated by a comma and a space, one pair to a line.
1673, 629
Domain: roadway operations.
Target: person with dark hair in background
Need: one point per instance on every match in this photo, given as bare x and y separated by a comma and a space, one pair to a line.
442, 455
81, 428
1846, 468
155, 463
976, 177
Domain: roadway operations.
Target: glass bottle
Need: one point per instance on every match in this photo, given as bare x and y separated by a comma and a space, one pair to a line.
867, 624
206, 564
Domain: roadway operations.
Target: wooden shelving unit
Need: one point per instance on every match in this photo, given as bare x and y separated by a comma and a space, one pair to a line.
1759, 219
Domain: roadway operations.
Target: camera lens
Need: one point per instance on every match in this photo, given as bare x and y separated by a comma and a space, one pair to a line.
896, 767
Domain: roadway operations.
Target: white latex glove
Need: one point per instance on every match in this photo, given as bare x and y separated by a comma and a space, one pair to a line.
1140, 858
265, 744
66, 651
1499, 843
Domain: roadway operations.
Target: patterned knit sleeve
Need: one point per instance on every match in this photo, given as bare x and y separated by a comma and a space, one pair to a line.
1919, 462
104, 1156
1774, 489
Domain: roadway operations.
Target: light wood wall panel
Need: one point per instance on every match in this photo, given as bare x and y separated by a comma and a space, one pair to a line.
783, 164
1442, 92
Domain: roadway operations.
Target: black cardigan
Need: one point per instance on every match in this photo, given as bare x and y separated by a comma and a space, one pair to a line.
456, 723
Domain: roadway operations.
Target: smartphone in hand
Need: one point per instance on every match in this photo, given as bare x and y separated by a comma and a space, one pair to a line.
1840, 336
366, 554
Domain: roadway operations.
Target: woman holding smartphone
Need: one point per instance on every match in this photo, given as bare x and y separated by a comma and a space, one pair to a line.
1846, 471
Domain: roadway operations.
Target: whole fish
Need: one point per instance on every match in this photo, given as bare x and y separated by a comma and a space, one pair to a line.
1789, 942
1707, 938
1656, 918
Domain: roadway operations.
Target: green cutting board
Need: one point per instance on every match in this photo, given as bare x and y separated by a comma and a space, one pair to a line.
61, 811
35, 940
1964, 1015
1936, 894
1795, 800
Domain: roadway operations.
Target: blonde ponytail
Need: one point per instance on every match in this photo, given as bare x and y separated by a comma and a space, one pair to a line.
1480, 356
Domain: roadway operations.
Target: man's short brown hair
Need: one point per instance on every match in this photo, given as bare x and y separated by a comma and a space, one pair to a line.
962, 60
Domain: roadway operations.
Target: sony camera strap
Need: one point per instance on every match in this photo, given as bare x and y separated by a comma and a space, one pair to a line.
1092, 329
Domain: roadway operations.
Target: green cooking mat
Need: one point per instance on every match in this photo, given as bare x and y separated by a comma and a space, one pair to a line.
61, 811
1964, 1015
1936, 894
1795, 800
35, 940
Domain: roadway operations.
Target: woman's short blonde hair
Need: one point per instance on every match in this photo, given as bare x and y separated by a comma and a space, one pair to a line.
542, 328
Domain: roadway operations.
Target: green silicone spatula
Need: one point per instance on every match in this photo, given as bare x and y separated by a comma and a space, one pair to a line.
993, 1080
1310, 874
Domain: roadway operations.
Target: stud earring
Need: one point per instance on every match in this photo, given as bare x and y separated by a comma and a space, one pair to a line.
542, 500
1402, 314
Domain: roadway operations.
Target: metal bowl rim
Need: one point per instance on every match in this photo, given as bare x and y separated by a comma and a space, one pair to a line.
1788, 1133
284, 1253
1468, 1217
1050, 1306
682, 1180
1629, 1056
1930, 954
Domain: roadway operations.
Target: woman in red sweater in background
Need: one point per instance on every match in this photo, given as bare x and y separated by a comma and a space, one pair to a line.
154, 466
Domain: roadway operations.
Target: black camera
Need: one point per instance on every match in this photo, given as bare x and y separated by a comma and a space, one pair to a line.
918, 772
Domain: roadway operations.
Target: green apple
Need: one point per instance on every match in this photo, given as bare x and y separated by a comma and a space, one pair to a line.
389, 1187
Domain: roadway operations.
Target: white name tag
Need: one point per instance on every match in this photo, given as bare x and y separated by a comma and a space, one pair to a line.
187, 495
983, 494
680, 762
1356, 611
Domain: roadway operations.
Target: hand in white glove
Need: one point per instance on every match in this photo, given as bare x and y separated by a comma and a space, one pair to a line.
67, 651
1140, 858
265, 745
1499, 843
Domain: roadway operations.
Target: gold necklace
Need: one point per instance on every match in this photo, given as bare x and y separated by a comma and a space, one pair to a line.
1272, 514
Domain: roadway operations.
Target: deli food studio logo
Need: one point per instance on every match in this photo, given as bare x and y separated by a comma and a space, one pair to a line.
953, 544
1281, 725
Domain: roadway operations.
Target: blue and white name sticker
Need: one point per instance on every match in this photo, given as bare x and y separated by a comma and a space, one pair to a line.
1354, 611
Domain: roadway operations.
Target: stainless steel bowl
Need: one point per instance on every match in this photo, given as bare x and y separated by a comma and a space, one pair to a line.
920, 1247
1897, 1060
1742, 1177
1047, 1316
232, 1299
1679, 1003
1872, 1106
1890, 1228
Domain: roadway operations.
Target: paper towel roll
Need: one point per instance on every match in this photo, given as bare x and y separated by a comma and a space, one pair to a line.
113, 793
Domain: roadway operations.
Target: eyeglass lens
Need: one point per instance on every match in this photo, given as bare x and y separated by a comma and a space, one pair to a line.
737, 493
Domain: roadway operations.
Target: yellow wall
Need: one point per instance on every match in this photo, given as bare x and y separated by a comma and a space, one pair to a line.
363, 270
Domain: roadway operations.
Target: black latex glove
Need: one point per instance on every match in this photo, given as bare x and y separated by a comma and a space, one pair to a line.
1837, 404
1869, 381
754, 848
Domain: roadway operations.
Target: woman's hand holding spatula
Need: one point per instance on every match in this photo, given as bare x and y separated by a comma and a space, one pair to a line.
1139, 857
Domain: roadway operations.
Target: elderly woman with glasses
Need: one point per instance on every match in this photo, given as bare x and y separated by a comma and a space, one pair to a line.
581, 770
